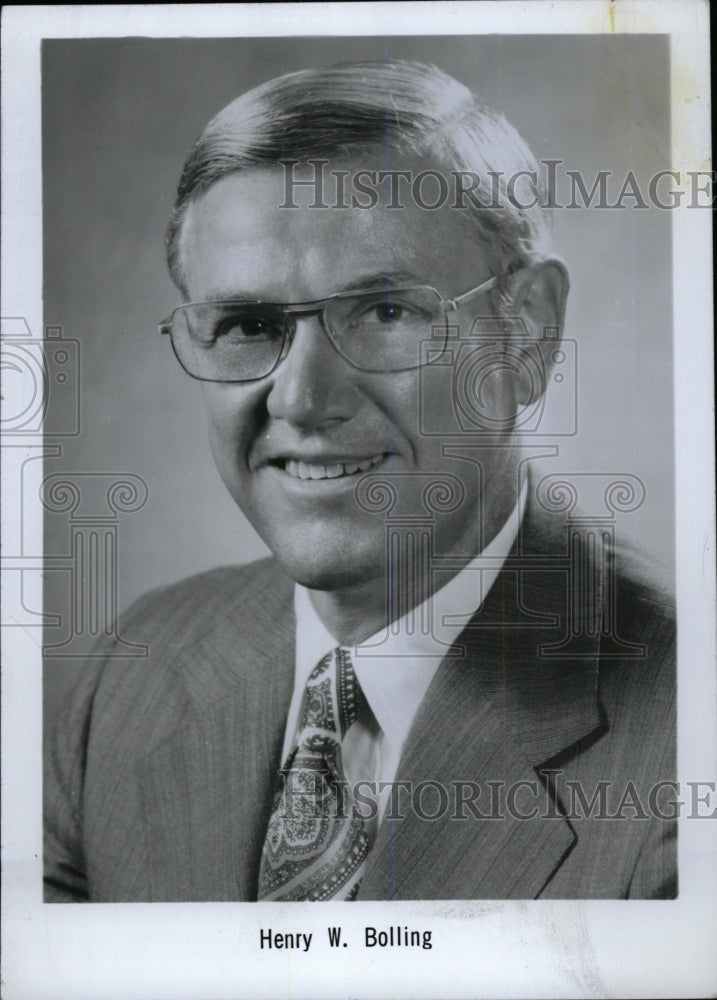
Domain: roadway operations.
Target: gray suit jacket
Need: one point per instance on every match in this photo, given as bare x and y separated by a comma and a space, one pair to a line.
161, 773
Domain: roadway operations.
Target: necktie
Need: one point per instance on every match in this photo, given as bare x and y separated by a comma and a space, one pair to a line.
315, 846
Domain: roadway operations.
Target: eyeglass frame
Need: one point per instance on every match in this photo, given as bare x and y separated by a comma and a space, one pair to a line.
317, 307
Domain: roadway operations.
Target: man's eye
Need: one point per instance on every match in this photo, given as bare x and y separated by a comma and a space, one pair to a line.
239, 328
386, 312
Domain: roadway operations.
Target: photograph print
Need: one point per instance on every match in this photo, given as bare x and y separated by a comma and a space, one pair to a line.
359, 524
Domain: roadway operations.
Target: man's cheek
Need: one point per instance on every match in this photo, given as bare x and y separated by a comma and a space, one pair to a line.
226, 453
226, 420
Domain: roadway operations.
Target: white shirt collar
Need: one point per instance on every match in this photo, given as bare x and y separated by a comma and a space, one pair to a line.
396, 665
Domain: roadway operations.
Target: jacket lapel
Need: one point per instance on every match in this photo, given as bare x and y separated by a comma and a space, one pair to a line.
207, 793
464, 748
496, 710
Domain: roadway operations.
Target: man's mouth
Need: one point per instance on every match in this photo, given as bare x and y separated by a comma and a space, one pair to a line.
332, 470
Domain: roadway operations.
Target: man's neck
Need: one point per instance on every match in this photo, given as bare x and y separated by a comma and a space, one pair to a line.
353, 614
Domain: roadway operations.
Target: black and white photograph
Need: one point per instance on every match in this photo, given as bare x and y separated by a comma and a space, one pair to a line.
358, 530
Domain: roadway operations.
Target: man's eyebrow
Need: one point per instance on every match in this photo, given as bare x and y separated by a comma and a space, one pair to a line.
236, 295
383, 279
366, 282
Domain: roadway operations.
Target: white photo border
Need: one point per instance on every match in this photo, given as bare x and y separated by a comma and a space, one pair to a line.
482, 948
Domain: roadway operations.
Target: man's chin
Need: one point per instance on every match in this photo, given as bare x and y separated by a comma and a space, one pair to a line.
342, 570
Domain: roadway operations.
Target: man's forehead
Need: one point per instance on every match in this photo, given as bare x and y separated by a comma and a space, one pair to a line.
264, 225
245, 203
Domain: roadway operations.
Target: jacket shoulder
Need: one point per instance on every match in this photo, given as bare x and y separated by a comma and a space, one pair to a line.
636, 586
643, 585
194, 603
224, 612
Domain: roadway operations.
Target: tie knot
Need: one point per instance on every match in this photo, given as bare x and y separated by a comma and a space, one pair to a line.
333, 699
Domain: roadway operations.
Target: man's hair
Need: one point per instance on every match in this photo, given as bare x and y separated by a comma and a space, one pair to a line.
402, 107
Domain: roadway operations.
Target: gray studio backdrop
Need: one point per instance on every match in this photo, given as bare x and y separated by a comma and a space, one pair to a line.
118, 118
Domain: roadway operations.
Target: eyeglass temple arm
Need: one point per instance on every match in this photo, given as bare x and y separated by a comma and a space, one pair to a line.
462, 300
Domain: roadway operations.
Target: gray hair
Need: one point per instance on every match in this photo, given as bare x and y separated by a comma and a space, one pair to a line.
405, 107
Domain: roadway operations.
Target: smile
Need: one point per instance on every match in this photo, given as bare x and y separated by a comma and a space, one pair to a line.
332, 470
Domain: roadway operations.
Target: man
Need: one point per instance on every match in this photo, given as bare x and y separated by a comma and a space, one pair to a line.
439, 687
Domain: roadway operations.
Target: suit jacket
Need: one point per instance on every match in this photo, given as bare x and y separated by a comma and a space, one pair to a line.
552, 713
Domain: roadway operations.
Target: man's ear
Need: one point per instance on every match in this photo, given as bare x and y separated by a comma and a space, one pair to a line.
538, 298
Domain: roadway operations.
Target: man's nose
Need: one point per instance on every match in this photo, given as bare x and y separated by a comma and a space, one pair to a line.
313, 386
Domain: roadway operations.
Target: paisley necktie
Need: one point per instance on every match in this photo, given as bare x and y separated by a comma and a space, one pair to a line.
316, 843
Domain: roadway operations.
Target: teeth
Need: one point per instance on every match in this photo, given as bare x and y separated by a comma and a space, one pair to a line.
310, 470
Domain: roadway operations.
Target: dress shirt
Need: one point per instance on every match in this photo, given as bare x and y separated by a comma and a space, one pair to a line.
396, 665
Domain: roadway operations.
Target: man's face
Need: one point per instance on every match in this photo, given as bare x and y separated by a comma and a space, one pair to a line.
317, 409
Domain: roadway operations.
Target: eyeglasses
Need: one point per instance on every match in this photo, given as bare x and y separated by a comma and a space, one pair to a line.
375, 331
